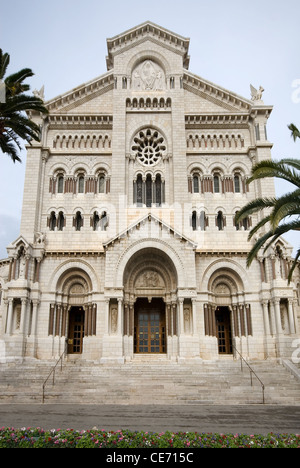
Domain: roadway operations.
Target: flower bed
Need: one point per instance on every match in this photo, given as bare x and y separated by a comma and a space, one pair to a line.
69, 438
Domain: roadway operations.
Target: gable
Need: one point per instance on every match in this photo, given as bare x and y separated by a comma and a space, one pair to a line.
78, 99
212, 97
147, 31
147, 227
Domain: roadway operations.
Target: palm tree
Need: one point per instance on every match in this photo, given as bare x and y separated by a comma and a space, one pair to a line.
284, 212
15, 125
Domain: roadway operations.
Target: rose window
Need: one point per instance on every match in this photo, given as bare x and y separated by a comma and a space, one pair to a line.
149, 147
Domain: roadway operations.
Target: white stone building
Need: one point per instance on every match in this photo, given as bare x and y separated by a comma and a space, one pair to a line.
128, 243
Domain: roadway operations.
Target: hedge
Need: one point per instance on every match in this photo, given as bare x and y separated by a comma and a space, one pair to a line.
70, 438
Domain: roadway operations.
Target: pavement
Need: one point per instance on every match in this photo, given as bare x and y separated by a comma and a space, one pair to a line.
246, 419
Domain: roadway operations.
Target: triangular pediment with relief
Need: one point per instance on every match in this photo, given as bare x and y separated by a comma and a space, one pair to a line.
150, 226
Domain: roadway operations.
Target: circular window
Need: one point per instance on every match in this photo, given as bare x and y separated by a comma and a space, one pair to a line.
148, 147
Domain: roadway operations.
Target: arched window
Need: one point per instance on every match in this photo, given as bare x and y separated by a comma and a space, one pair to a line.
194, 220
139, 190
220, 221
96, 221
60, 184
102, 183
237, 183
237, 225
52, 221
149, 191
216, 183
60, 221
158, 190
203, 221
78, 221
196, 185
103, 221
81, 183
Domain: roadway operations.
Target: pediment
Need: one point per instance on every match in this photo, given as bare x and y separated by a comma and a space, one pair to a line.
15, 246
144, 32
77, 98
160, 228
214, 97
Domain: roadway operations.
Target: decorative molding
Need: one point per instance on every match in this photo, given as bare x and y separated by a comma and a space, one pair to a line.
80, 121
217, 120
81, 94
147, 30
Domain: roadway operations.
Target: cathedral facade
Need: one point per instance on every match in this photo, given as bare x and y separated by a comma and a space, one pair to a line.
128, 242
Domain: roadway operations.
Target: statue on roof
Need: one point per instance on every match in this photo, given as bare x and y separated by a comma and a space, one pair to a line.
256, 95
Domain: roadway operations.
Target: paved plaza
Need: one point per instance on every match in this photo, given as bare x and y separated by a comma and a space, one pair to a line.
248, 419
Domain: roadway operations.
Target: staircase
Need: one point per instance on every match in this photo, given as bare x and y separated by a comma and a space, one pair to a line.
149, 380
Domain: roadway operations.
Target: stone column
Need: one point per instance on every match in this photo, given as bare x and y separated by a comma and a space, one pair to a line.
277, 316
194, 314
266, 317
34, 317
291, 317
106, 316
180, 318
120, 317
23, 315
9, 316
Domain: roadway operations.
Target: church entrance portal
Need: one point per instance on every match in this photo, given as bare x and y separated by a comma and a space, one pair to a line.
224, 333
149, 326
76, 330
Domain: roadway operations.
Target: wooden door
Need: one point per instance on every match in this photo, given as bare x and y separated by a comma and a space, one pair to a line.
150, 329
224, 330
76, 330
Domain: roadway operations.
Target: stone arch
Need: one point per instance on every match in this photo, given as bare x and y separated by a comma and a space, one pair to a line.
228, 268
159, 247
150, 272
73, 268
156, 57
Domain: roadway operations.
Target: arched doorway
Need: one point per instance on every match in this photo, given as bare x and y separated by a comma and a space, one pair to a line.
76, 330
73, 313
150, 326
150, 301
224, 332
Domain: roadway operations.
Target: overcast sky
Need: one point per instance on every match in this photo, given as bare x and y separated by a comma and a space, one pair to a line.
233, 43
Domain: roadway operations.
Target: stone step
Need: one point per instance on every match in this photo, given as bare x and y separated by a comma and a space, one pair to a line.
152, 381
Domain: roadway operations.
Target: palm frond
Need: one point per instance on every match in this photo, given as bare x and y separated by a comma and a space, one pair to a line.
258, 226
254, 206
257, 246
4, 62
22, 103
286, 205
295, 132
274, 169
14, 83
292, 269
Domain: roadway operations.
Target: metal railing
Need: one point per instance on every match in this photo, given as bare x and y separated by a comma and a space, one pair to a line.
251, 372
52, 372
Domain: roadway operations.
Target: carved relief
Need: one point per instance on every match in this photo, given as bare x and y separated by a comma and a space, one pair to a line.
150, 279
148, 76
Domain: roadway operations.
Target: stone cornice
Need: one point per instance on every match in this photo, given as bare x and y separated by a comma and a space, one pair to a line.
80, 121
217, 120
220, 96
222, 253
83, 92
73, 253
